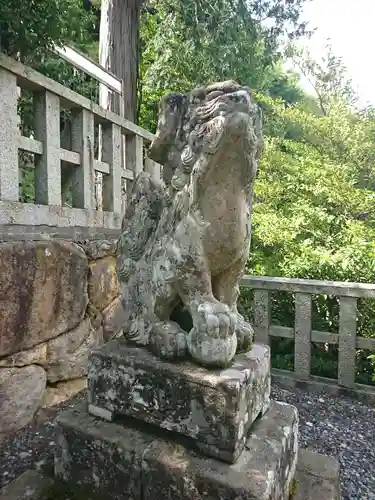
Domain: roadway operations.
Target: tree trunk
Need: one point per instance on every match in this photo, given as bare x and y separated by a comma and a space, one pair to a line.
118, 52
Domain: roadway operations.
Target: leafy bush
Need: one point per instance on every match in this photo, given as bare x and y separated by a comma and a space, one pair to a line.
31, 27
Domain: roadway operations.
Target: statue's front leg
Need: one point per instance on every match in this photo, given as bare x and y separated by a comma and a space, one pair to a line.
212, 340
226, 289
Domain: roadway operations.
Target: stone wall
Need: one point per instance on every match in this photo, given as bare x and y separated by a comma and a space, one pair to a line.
58, 300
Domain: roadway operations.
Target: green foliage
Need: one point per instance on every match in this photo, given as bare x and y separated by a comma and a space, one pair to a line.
314, 213
328, 77
314, 206
187, 44
31, 27
312, 216
315, 193
285, 86
28, 31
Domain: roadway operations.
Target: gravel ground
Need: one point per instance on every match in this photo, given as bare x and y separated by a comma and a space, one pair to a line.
339, 427
342, 428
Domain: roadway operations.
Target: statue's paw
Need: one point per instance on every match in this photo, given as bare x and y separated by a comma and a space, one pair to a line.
168, 340
213, 341
215, 319
245, 334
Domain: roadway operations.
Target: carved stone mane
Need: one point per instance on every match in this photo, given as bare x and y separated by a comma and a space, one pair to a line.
184, 243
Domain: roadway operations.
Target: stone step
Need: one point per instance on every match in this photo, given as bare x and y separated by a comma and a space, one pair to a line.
216, 408
31, 485
317, 477
121, 462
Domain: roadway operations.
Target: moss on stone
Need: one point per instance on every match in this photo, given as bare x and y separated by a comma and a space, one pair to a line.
293, 489
60, 490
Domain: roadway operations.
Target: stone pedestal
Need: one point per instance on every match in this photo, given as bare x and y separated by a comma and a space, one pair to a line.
121, 462
156, 430
216, 408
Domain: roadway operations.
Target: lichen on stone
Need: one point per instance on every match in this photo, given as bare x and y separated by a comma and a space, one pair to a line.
185, 241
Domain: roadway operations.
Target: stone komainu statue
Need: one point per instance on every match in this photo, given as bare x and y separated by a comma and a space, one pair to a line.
185, 241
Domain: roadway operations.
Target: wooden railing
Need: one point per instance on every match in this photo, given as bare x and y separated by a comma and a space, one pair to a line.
117, 166
346, 338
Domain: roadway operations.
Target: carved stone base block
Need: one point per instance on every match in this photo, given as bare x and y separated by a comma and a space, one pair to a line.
97, 457
121, 462
214, 408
